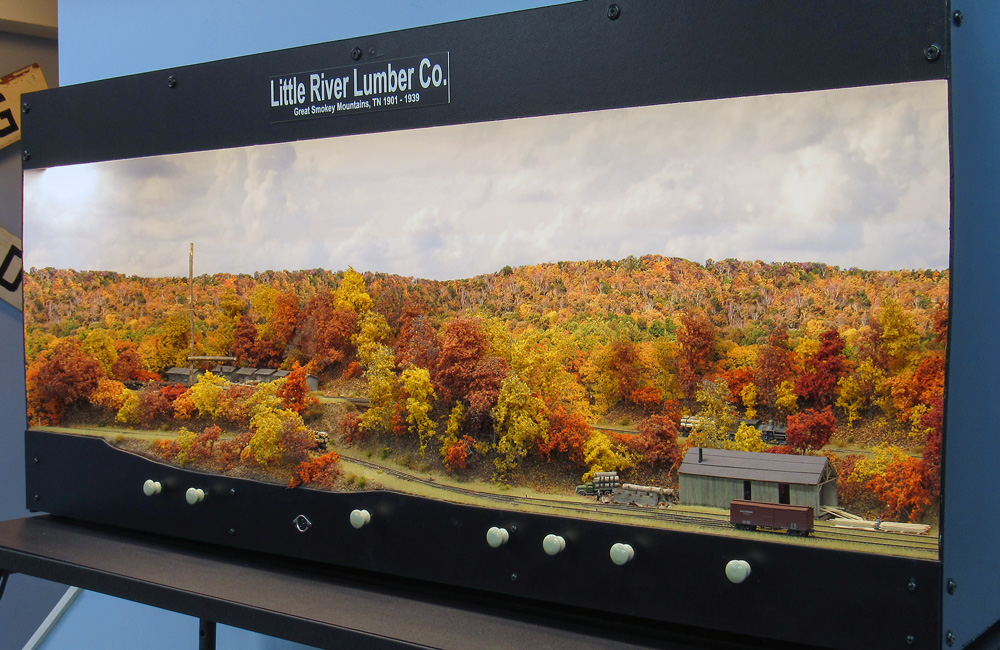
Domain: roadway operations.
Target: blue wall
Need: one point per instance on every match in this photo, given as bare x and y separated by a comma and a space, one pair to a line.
28, 600
972, 446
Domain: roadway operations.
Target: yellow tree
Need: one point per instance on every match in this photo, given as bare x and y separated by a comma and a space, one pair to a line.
538, 357
717, 417
352, 293
99, 344
519, 418
263, 299
748, 438
272, 431
419, 403
170, 345
453, 428
381, 378
203, 396
749, 397
899, 334
372, 330
265, 398
862, 389
601, 454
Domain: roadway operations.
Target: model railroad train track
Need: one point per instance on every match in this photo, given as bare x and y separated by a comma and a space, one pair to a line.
876, 538
704, 520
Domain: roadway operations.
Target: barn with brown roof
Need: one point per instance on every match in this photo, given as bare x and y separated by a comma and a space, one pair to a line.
714, 477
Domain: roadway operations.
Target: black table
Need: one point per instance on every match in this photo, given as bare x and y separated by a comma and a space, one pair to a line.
312, 604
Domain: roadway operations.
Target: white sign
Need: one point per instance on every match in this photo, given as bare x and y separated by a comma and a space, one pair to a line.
11, 270
12, 87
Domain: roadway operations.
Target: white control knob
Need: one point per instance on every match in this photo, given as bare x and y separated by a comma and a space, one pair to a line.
151, 487
194, 495
737, 571
497, 537
622, 554
553, 544
360, 518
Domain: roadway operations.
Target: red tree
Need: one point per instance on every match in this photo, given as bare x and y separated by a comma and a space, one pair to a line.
295, 391
737, 379
129, 366
625, 368
285, 319
463, 346
657, 438
901, 488
245, 343
417, 344
322, 470
59, 378
818, 385
811, 429
697, 340
776, 364
326, 331
568, 431
456, 456
930, 468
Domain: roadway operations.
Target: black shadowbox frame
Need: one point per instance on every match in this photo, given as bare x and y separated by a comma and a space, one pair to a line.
569, 58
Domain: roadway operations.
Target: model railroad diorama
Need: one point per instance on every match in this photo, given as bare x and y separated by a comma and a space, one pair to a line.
478, 409
520, 334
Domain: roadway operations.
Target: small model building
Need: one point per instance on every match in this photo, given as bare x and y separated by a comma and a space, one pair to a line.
181, 375
715, 477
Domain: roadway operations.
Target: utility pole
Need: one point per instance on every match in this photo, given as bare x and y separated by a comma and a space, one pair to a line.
191, 305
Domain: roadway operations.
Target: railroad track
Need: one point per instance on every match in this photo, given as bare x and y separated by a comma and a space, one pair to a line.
889, 541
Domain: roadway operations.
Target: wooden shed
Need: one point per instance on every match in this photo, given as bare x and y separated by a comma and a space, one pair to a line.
714, 477
243, 375
227, 372
182, 375
264, 374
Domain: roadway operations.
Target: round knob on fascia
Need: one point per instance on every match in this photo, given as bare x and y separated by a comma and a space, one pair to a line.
553, 544
151, 488
737, 571
360, 518
194, 495
622, 554
497, 537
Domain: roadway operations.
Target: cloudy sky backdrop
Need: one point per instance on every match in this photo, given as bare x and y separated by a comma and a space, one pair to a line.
855, 177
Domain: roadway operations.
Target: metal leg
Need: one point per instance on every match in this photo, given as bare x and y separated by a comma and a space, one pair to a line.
206, 635
3, 581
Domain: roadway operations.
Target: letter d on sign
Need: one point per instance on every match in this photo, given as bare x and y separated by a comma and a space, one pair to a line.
11, 269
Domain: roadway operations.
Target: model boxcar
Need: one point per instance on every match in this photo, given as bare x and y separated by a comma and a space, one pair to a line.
751, 515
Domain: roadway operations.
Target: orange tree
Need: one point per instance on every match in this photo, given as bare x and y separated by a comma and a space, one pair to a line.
811, 429
59, 378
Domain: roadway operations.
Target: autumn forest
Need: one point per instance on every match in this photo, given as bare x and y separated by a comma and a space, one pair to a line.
578, 366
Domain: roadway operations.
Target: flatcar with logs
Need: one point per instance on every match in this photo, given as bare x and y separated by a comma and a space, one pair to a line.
644, 495
751, 515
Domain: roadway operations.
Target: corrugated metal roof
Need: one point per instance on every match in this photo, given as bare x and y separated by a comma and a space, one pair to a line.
181, 371
753, 466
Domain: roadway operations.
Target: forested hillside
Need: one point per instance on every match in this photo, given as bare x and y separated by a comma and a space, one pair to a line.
522, 362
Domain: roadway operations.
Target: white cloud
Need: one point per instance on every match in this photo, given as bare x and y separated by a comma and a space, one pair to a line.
854, 177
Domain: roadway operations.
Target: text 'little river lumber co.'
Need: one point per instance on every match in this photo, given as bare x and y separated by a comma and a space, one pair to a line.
399, 83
